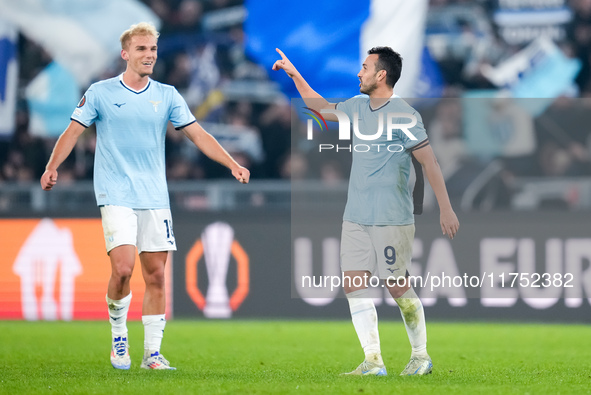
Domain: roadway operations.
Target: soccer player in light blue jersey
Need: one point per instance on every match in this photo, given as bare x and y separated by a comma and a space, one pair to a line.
378, 224
131, 113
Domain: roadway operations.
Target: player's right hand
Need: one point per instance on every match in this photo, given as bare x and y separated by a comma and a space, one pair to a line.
242, 174
285, 64
449, 223
48, 179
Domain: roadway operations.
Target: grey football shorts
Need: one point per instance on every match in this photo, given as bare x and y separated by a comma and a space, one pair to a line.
384, 251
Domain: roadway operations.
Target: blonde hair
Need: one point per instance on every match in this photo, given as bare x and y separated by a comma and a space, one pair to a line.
140, 29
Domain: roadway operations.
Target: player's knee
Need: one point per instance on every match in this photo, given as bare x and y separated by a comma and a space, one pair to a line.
355, 281
155, 278
350, 288
397, 289
122, 273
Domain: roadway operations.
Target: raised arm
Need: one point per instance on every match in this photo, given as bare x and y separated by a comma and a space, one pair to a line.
65, 144
210, 147
448, 219
310, 96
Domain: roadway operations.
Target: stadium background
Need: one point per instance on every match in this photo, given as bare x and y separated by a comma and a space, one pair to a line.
503, 89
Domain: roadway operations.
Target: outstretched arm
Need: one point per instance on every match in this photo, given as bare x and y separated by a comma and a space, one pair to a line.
448, 219
210, 147
65, 144
310, 96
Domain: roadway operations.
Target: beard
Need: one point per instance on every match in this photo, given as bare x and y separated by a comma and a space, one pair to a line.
368, 89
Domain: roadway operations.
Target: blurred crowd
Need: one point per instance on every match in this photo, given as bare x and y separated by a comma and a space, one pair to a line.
201, 53
555, 144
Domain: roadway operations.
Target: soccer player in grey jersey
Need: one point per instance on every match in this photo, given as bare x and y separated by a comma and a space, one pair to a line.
378, 224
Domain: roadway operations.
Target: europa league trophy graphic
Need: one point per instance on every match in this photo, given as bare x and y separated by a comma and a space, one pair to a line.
217, 242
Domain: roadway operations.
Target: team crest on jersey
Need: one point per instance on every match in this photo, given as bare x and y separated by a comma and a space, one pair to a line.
155, 104
82, 101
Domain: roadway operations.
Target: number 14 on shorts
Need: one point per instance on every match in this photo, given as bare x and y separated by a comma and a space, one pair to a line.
169, 234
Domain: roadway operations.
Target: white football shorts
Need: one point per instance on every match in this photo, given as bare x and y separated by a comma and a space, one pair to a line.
148, 230
384, 251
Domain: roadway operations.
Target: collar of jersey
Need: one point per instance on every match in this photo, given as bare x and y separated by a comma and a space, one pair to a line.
394, 95
131, 89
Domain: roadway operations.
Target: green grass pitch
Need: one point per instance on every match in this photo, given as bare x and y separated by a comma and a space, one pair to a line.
295, 357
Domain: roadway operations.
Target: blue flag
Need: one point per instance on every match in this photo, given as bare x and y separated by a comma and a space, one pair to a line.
328, 41
8, 78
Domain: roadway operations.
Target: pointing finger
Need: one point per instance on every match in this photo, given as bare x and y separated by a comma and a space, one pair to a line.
281, 53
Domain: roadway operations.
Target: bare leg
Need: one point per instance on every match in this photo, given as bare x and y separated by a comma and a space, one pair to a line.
397, 291
153, 264
122, 262
355, 280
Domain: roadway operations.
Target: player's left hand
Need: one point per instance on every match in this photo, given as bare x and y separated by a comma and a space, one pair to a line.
284, 64
449, 223
242, 174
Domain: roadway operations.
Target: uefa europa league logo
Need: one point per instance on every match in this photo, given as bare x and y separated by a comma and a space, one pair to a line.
217, 246
217, 239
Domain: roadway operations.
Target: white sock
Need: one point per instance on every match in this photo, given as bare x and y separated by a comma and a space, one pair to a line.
365, 321
413, 315
118, 315
153, 331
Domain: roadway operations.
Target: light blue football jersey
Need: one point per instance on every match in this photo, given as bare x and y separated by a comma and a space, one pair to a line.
129, 165
378, 185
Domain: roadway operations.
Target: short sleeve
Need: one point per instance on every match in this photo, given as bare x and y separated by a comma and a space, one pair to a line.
86, 112
418, 131
180, 115
348, 105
